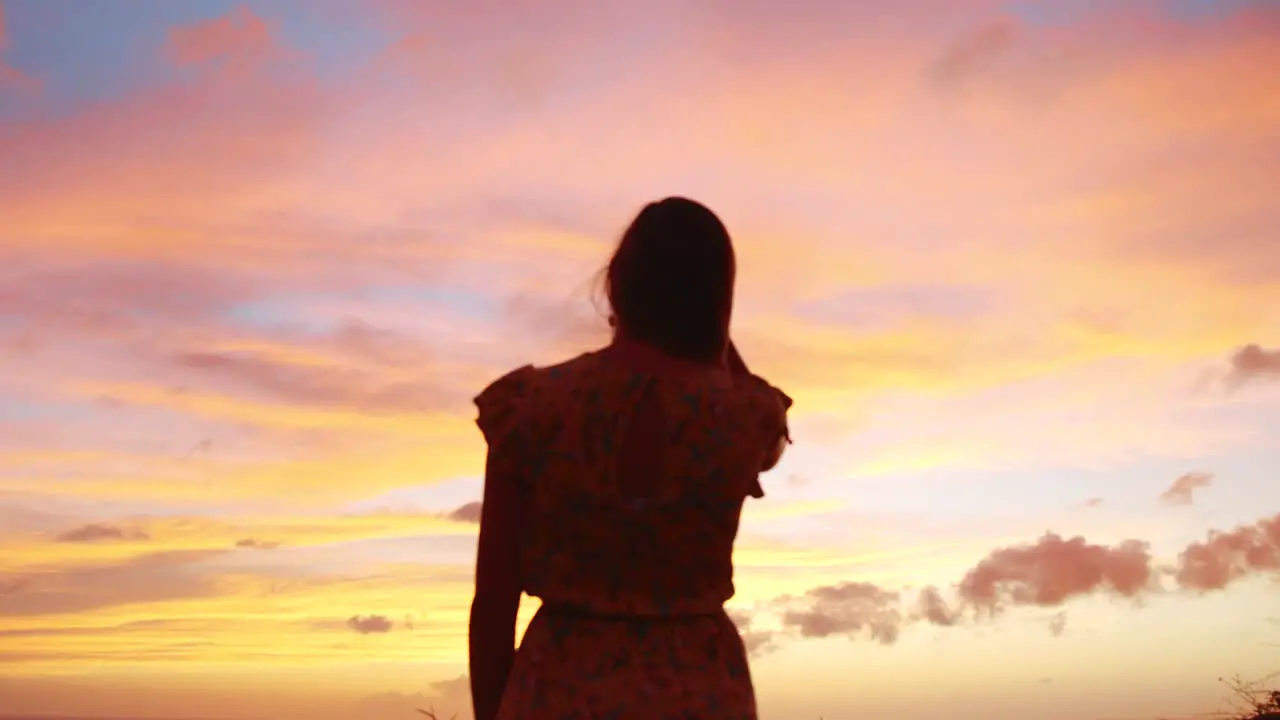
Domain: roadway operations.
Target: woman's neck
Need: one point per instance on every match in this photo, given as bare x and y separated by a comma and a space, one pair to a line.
651, 357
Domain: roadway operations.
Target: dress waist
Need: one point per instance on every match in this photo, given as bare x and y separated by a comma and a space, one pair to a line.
579, 612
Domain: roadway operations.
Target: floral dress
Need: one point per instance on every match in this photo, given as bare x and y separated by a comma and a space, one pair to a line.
633, 581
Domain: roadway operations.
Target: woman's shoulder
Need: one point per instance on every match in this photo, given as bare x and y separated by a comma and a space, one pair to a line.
763, 393
506, 398
529, 378
501, 403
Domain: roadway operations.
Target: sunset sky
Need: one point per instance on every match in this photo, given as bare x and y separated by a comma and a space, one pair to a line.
1018, 263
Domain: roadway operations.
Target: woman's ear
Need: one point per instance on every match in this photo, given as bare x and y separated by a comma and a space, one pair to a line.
613, 321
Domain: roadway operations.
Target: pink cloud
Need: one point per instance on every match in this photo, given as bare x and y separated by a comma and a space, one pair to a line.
1223, 557
12, 78
469, 512
1253, 362
972, 53
370, 624
264, 180
119, 313
1058, 624
1047, 573
757, 641
155, 577
1182, 490
851, 608
305, 146
239, 35
355, 365
256, 544
333, 385
1053, 570
166, 168
934, 609
170, 323
97, 532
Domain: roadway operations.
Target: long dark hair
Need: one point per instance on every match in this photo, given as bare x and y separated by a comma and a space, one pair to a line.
670, 281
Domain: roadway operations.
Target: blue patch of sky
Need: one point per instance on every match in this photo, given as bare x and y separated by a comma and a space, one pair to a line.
1061, 12
473, 304
1197, 9
86, 52
335, 47
13, 410
292, 309
278, 311
90, 52
1054, 12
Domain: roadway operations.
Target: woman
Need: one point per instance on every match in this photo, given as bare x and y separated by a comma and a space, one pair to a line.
613, 488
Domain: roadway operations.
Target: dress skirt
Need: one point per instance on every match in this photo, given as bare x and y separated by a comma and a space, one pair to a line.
574, 665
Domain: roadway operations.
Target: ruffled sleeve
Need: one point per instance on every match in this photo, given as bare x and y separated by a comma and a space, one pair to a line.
504, 420
777, 405
501, 406
770, 406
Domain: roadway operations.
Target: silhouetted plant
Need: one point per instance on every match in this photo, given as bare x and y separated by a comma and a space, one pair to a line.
1254, 699
430, 713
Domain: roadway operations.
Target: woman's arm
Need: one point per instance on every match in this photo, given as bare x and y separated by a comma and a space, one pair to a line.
497, 598
773, 455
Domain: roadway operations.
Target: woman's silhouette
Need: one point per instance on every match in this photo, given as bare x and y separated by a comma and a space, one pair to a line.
613, 488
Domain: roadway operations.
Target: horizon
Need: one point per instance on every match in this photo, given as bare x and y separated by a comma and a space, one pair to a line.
1015, 261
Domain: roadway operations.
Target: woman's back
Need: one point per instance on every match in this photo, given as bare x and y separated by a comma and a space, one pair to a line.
633, 469
637, 466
